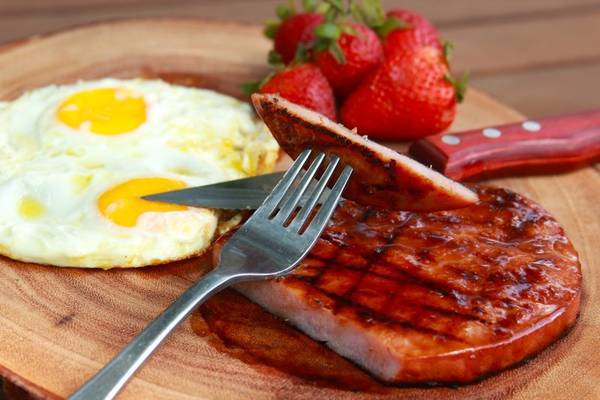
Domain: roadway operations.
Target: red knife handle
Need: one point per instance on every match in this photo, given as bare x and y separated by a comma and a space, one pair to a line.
546, 145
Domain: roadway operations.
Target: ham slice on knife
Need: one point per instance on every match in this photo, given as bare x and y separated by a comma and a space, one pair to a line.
382, 177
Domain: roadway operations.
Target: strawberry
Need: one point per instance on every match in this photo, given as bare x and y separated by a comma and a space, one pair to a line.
304, 85
294, 30
415, 31
410, 95
400, 30
347, 54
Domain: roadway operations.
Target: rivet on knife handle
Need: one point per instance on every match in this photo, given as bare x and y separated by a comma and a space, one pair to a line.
530, 147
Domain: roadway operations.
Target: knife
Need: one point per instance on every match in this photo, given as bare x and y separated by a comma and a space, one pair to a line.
246, 193
553, 144
546, 145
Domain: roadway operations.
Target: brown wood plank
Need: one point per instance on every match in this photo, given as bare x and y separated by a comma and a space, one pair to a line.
548, 91
18, 25
465, 12
30, 6
481, 48
456, 11
493, 48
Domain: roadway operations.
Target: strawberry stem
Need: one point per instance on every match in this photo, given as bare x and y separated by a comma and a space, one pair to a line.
334, 10
338, 5
284, 11
301, 55
309, 5
369, 12
372, 14
337, 53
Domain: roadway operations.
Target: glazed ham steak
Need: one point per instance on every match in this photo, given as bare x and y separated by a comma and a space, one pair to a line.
381, 177
422, 295
446, 296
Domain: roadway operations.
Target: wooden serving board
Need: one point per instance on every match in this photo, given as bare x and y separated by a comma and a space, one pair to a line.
59, 326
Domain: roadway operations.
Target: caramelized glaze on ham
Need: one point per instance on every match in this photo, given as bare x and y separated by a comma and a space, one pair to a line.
381, 177
445, 296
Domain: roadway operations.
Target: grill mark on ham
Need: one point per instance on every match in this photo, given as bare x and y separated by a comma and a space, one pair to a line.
343, 298
382, 317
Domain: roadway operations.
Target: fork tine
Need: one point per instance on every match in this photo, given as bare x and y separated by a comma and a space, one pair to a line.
305, 211
292, 202
327, 208
278, 193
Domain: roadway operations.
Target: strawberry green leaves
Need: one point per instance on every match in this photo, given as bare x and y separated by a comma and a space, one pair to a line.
448, 48
302, 55
372, 14
328, 31
310, 5
284, 11
274, 58
460, 85
271, 28
390, 24
254, 86
328, 35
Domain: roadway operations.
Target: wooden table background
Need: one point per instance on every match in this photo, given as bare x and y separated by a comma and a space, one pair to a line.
541, 57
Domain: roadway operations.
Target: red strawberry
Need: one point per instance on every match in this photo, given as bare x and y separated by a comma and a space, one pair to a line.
356, 52
296, 29
305, 85
418, 32
410, 96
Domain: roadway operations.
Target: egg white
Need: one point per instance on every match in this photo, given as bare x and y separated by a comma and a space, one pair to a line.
192, 135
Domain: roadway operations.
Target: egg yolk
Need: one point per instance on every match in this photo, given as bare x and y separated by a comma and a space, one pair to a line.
123, 204
106, 111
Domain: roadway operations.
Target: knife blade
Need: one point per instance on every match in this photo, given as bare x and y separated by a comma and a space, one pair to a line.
246, 193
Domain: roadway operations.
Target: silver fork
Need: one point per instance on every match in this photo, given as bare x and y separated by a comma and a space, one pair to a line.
271, 243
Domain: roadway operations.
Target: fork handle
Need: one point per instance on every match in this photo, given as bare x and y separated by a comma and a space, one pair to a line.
111, 379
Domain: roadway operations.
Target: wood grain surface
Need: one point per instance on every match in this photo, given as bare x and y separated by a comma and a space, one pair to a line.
59, 326
539, 56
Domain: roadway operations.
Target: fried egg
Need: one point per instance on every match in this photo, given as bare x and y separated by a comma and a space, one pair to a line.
76, 160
